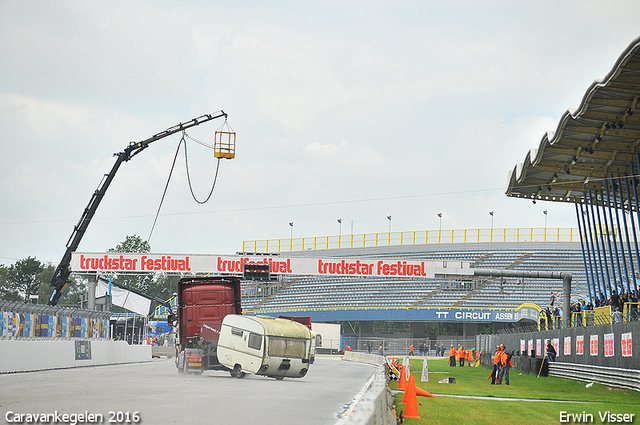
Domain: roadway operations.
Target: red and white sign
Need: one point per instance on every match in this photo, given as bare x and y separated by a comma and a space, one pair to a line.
234, 265
522, 345
580, 345
593, 345
626, 345
530, 345
567, 345
608, 345
539, 348
556, 345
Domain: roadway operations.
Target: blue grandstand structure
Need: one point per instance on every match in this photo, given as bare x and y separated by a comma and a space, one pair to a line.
426, 299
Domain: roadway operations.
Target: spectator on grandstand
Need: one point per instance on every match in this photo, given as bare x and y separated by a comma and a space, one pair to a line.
549, 322
615, 300
633, 300
452, 356
551, 352
556, 318
553, 299
505, 365
616, 317
577, 309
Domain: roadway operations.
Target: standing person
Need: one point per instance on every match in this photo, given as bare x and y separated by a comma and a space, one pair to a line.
549, 322
553, 299
461, 355
551, 352
452, 356
615, 300
633, 299
505, 365
381, 350
411, 349
617, 317
496, 365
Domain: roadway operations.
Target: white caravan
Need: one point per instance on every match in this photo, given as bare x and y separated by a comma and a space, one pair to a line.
264, 345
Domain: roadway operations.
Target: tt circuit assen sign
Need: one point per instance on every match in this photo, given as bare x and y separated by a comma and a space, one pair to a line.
234, 265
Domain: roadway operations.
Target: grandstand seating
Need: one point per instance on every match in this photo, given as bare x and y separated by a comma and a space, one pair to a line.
348, 293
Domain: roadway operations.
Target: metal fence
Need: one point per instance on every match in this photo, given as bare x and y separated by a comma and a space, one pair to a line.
364, 240
400, 346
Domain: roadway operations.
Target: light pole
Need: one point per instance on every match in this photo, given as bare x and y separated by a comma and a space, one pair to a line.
340, 226
491, 214
291, 225
545, 218
440, 218
389, 217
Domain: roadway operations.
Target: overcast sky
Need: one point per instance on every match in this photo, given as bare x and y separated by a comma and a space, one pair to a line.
353, 110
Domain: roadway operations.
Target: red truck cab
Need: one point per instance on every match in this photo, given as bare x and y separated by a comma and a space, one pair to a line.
202, 304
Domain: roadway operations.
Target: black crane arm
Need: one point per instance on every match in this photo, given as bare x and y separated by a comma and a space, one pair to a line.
61, 275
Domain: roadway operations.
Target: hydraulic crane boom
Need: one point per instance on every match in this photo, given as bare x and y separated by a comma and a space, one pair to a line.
61, 275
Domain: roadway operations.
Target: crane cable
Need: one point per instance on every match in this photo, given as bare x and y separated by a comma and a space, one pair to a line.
215, 178
173, 164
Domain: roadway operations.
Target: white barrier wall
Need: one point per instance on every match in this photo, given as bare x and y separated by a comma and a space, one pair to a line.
24, 356
374, 406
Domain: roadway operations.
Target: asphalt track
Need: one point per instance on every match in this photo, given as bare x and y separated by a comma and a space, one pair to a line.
160, 395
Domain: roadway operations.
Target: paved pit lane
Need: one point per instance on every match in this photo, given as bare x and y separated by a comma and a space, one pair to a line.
154, 393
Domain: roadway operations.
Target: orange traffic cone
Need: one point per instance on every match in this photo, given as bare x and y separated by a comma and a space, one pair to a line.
411, 408
402, 381
406, 390
423, 393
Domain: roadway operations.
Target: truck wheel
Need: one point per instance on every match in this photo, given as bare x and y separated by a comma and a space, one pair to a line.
237, 371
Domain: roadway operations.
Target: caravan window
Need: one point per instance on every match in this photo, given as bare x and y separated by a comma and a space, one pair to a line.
236, 331
287, 347
255, 341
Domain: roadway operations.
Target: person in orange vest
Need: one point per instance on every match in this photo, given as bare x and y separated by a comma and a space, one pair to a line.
452, 356
505, 365
411, 349
461, 355
469, 357
496, 365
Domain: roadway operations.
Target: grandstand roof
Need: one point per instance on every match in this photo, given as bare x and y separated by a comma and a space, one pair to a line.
600, 138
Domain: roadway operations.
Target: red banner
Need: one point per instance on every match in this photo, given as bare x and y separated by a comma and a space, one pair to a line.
593, 345
580, 345
608, 345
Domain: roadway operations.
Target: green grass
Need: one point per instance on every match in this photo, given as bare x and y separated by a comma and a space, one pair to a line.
472, 381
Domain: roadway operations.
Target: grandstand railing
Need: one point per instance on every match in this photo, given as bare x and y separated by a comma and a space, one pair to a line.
366, 240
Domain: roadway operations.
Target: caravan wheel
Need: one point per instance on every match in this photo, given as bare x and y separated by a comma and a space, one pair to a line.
237, 371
